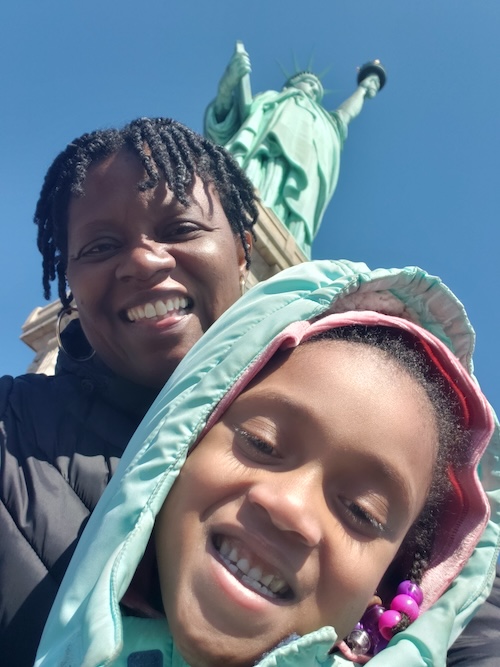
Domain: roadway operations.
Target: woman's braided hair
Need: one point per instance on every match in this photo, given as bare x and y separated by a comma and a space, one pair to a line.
405, 349
166, 149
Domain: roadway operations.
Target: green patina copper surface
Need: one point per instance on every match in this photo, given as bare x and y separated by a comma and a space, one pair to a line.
287, 142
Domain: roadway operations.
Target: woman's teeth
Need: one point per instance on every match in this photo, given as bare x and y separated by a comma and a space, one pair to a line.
252, 574
157, 309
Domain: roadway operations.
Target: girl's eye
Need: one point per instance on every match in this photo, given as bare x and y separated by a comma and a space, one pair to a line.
254, 446
362, 519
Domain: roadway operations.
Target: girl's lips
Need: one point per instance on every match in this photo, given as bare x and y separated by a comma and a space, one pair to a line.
250, 570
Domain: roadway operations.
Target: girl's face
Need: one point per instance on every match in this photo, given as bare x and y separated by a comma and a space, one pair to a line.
288, 512
148, 274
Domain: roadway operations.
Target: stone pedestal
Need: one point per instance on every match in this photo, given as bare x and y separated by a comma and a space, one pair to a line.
274, 250
39, 333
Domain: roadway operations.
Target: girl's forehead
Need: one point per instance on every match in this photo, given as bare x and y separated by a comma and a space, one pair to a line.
344, 389
331, 362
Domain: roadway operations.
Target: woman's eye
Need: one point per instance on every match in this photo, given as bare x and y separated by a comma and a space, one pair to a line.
254, 446
362, 518
179, 231
97, 248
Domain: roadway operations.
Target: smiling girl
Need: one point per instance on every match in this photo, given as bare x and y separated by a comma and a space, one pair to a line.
328, 499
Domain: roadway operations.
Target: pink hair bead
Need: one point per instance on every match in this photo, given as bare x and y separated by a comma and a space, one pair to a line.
411, 589
407, 605
379, 624
387, 622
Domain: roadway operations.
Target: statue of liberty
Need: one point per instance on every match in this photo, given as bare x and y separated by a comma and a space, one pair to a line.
287, 142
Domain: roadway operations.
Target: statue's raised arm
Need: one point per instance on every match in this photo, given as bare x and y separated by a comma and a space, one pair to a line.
234, 98
286, 141
371, 78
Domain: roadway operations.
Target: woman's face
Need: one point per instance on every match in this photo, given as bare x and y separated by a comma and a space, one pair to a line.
289, 511
148, 275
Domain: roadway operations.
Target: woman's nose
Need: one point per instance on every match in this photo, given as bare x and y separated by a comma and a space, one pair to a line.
291, 503
144, 261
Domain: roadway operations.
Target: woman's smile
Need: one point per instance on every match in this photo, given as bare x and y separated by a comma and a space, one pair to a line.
159, 309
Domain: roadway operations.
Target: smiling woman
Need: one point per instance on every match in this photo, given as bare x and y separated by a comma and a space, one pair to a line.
149, 274
303, 491
148, 231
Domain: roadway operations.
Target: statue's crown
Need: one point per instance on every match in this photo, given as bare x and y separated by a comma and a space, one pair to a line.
301, 75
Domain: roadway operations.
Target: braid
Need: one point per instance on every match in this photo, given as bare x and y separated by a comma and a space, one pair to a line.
135, 143
166, 149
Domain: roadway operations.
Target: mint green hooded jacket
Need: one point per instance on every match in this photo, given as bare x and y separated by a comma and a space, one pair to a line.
86, 627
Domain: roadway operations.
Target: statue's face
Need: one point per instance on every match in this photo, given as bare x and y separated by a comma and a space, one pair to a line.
310, 85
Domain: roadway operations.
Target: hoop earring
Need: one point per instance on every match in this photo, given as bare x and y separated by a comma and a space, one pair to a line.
242, 285
68, 311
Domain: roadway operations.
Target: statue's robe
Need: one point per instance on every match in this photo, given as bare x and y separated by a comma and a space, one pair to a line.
289, 146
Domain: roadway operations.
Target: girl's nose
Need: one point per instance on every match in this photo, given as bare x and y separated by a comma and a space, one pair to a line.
144, 261
291, 503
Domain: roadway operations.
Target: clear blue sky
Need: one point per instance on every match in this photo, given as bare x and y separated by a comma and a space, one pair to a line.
419, 181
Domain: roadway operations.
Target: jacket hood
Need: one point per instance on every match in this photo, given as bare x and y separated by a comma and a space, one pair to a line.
85, 626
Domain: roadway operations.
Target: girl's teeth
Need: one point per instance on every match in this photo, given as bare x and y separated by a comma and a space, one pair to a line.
267, 579
225, 548
255, 573
252, 583
170, 304
149, 310
253, 576
277, 584
243, 565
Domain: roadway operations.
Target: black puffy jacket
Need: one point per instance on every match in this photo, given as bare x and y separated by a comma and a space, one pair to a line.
60, 440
